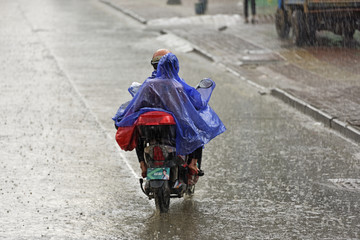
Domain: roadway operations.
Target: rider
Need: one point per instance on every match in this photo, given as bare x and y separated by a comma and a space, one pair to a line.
196, 122
194, 156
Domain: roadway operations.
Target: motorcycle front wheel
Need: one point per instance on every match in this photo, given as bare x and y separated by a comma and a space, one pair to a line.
162, 198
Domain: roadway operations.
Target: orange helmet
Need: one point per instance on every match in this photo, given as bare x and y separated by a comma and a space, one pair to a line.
157, 56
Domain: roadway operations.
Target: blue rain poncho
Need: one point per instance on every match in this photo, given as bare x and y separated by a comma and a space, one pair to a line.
196, 122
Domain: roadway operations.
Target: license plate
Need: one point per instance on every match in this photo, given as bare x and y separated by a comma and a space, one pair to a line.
158, 174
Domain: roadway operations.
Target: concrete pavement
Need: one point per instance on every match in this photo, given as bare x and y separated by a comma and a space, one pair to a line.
329, 93
65, 67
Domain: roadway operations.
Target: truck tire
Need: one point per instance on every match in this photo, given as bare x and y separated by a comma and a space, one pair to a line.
311, 29
281, 23
162, 198
299, 28
348, 33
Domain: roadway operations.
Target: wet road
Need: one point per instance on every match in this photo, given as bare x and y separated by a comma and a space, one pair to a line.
65, 69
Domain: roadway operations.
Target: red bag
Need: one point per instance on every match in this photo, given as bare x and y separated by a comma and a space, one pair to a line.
126, 137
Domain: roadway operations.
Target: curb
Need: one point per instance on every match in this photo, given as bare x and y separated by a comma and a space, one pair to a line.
346, 130
197, 49
329, 121
126, 12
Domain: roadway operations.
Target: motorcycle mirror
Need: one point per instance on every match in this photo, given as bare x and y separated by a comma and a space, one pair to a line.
134, 88
205, 83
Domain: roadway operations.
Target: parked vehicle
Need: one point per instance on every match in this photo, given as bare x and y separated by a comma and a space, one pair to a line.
305, 17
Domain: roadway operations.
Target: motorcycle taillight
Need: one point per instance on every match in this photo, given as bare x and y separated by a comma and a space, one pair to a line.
158, 156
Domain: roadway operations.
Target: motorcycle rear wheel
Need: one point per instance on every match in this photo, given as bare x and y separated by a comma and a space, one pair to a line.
162, 198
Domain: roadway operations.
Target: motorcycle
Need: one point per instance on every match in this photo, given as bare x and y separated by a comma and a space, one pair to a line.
168, 175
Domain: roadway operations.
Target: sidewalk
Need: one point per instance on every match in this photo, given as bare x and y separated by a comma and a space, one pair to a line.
331, 99
145, 10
